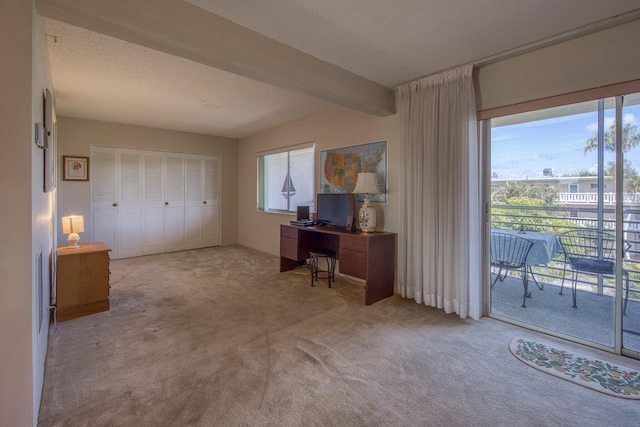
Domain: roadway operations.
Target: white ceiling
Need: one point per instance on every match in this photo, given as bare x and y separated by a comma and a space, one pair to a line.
388, 42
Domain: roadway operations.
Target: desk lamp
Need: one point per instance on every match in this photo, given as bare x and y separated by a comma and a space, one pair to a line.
367, 183
72, 225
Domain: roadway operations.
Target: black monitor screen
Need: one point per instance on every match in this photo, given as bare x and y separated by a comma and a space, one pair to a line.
334, 208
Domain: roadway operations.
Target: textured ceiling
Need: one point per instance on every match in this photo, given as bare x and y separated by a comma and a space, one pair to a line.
392, 42
97, 76
103, 78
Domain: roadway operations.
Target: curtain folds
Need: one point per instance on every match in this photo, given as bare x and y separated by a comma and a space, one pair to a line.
440, 241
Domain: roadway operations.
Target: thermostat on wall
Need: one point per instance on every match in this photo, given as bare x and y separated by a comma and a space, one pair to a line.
41, 140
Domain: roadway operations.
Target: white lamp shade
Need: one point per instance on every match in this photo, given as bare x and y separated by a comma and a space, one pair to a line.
367, 183
73, 224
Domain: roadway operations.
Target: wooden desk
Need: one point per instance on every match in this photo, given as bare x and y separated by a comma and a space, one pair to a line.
368, 256
82, 280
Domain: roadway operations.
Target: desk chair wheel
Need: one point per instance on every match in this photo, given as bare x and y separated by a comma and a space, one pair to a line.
329, 256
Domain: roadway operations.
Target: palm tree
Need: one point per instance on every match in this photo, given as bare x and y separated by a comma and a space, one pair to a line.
630, 138
632, 183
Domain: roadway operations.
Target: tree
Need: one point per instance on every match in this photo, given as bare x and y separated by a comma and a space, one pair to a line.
522, 189
582, 172
529, 213
630, 138
632, 183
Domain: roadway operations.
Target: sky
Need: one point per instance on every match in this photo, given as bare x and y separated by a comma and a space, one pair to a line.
523, 150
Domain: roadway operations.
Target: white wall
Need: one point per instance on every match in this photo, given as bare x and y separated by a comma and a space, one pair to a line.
75, 137
336, 128
26, 217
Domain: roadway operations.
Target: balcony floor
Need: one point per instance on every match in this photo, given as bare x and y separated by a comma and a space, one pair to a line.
593, 319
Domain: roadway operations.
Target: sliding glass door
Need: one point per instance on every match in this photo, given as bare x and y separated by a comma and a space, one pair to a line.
628, 126
565, 192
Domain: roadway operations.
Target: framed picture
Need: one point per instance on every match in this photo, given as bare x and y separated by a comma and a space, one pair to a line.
75, 168
339, 169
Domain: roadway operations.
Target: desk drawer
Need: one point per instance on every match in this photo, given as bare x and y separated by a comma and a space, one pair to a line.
355, 243
290, 232
289, 248
353, 263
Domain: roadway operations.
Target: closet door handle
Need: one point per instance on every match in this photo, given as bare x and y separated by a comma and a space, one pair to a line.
205, 202
114, 205
166, 203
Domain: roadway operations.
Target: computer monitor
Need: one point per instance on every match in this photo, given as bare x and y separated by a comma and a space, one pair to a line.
335, 208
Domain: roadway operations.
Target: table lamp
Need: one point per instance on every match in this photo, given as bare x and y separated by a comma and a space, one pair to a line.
367, 183
72, 225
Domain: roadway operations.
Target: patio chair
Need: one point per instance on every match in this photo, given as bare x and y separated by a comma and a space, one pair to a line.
590, 251
509, 252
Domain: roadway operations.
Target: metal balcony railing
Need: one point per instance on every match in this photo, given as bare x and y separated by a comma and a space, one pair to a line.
559, 219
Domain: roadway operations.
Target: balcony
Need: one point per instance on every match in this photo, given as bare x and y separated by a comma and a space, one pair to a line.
593, 319
592, 198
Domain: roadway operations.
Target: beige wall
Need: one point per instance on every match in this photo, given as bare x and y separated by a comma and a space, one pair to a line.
43, 214
606, 57
602, 58
26, 217
333, 129
75, 137
596, 59
16, 219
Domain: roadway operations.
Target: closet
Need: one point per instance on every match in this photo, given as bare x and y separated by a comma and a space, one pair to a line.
147, 202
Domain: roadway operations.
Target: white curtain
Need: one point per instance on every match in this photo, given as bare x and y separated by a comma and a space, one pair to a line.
440, 241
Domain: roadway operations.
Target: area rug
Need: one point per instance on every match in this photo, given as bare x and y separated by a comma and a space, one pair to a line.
608, 378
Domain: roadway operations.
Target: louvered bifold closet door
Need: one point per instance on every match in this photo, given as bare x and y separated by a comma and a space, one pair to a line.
130, 204
148, 202
153, 203
211, 204
194, 188
104, 206
174, 202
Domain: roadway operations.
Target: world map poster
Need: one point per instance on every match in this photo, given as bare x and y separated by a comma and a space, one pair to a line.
340, 168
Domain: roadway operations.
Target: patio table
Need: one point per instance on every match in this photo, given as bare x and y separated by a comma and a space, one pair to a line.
545, 246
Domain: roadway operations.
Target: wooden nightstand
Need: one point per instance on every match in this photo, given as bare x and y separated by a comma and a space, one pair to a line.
82, 280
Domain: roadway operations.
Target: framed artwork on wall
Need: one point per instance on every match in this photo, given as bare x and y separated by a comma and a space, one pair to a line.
75, 168
339, 169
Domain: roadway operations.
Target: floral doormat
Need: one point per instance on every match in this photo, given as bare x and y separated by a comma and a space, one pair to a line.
598, 375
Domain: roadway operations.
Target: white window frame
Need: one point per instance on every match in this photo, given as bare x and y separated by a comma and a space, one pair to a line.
261, 182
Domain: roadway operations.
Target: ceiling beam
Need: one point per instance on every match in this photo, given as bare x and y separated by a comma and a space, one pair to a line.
184, 30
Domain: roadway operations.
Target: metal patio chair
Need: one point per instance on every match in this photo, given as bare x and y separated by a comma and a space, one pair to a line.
509, 252
590, 251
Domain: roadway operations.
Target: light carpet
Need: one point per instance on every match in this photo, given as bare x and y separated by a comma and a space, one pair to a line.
609, 378
219, 337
